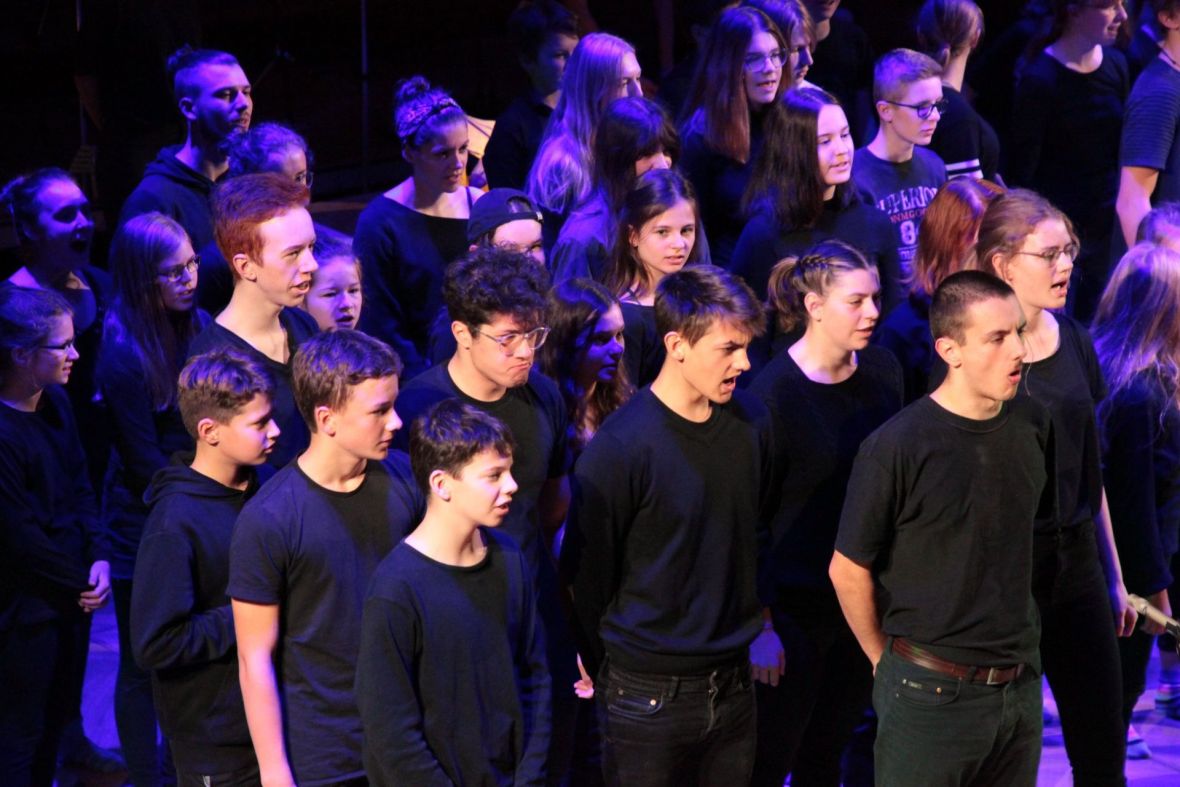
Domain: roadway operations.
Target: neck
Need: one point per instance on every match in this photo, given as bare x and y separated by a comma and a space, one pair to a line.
820, 360
424, 197
446, 538
20, 393
673, 390
887, 146
829, 192
1075, 52
955, 396
1034, 317
210, 463
470, 381
203, 156
956, 70
330, 466
823, 30
548, 99
249, 312
43, 275
1170, 46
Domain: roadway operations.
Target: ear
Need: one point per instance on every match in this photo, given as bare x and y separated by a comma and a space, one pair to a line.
633, 236
325, 420
675, 345
21, 356
409, 154
885, 111
1002, 267
208, 431
1169, 20
462, 334
949, 351
814, 305
440, 485
243, 266
185, 105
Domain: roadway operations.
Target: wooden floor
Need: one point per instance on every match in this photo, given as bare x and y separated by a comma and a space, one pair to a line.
1162, 734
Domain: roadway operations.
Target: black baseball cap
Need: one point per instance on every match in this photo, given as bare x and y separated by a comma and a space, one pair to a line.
494, 208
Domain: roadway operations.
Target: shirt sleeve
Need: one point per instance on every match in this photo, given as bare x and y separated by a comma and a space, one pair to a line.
1149, 123
869, 518
260, 555
166, 629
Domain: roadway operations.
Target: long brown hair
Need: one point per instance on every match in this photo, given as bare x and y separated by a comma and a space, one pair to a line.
946, 239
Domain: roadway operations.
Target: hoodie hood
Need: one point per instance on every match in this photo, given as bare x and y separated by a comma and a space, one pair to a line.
179, 478
168, 166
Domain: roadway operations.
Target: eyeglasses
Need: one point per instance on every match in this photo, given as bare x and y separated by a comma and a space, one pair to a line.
64, 347
754, 60
175, 274
510, 342
305, 178
923, 110
1050, 256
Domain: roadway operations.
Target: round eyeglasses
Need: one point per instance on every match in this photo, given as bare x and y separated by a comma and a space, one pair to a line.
510, 342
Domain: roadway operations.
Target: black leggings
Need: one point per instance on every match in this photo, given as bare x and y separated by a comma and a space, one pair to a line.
1080, 653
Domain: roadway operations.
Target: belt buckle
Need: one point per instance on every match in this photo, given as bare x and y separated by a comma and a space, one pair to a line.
991, 677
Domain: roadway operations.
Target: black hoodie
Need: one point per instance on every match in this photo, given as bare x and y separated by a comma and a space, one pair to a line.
182, 628
174, 189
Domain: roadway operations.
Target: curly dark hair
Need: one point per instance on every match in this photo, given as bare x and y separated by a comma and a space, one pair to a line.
491, 280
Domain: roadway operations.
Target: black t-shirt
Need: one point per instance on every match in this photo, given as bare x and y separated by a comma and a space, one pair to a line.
312, 552
763, 243
451, 682
901, 190
300, 326
643, 347
661, 540
942, 508
1150, 137
821, 428
514, 142
1141, 471
535, 415
966, 143
1065, 135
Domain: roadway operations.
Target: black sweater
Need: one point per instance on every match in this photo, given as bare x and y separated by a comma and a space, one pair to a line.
174, 189
182, 628
1141, 470
448, 649
51, 535
661, 540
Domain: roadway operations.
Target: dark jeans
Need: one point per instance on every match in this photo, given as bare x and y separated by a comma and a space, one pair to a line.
806, 721
1079, 652
1134, 654
937, 730
135, 711
247, 777
676, 730
38, 677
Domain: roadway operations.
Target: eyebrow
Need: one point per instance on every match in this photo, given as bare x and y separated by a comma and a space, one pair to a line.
299, 246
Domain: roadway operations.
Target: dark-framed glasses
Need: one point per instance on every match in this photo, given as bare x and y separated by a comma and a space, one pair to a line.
510, 342
923, 110
64, 347
305, 178
754, 60
175, 274
1050, 256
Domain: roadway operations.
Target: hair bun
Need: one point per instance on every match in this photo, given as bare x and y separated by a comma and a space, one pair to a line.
411, 90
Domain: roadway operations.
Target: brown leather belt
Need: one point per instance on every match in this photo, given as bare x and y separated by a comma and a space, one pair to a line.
992, 676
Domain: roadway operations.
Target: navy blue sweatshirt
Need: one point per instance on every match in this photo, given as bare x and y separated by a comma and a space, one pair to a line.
176, 190
50, 534
182, 628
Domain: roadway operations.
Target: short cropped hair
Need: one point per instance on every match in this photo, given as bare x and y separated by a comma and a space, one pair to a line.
218, 384
897, 69
534, 21
448, 435
1156, 224
491, 280
255, 149
184, 63
330, 364
692, 299
958, 293
243, 203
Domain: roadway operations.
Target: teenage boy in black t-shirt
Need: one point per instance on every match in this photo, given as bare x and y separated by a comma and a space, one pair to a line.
265, 232
182, 628
661, 549
303, 552
933, 561
450, 639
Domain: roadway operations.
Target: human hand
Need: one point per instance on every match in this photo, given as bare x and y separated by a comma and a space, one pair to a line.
1159, 601
584, 686
100, 587
768, 660
1124, 614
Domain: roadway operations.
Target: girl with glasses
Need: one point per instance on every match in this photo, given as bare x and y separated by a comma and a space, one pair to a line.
656, 234
738, 84
1077, 581
53, 553
152, 318
1067, 118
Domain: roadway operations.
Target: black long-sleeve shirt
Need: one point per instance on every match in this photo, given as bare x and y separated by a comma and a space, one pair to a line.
451, 679
661, 541
51, 533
